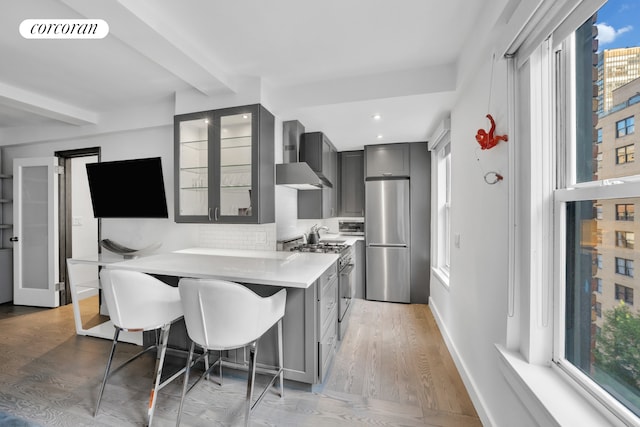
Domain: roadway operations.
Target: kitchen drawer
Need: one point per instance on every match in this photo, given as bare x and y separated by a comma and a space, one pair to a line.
327, 277
327, 307
327, 346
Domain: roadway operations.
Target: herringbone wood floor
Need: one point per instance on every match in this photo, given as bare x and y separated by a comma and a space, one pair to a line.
392, 369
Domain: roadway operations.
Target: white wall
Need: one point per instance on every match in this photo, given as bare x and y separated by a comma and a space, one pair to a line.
473, 312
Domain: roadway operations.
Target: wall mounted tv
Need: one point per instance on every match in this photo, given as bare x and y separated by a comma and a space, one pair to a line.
127, 189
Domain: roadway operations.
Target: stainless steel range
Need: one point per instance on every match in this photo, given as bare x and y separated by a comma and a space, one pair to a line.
346, 273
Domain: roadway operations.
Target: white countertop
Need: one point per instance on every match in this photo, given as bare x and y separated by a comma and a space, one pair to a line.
287, 269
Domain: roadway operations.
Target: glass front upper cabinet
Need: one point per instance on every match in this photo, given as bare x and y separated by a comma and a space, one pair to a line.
225, 166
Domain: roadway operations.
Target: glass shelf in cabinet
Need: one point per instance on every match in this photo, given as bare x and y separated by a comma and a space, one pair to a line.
200, 144
195, 169
194, 188
235, 165
228, 138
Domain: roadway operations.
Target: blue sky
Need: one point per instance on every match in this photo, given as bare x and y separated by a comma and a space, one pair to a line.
619, 24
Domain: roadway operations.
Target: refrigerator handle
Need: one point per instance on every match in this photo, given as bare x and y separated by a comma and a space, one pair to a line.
389, 245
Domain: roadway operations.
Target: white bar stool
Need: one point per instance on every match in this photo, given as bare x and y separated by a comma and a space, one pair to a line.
139, 302
208, 305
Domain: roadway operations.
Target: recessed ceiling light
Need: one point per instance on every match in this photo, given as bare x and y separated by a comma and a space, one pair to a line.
376, 117
206, 121
379, 136
244, 116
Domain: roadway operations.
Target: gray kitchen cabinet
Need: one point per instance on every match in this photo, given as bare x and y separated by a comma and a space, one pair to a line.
351, 179
319, 153
361, 270
309, 327
317, 204
224, 166
386, 160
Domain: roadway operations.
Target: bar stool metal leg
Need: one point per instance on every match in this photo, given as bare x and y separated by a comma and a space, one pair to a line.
253, 350
160, 354
107, 369
280, 363
186, 381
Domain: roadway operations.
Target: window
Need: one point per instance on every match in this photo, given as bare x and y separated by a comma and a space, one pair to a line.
441, 160
624, 266
624, 239
590, 320
624, 212
624, 293
599, 212
624, 127
624, 154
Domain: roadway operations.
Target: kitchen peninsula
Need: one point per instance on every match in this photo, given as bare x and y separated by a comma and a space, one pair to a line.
310, 322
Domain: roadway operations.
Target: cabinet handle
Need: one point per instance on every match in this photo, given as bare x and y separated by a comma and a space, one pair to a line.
216, 214
13, 239
209, 214
386, 174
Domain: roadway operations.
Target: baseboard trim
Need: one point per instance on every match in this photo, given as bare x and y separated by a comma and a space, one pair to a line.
469, 383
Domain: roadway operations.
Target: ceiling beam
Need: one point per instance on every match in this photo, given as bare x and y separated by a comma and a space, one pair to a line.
32, 102
365, 87
139, 26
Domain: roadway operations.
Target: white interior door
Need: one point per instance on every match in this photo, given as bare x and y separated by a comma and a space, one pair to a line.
35, 217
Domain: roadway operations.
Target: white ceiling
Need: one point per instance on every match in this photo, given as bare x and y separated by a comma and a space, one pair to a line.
331, 64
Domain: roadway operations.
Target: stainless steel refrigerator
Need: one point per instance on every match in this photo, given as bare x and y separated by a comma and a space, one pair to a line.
388, 239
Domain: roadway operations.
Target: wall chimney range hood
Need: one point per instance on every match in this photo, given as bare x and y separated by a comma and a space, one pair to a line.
293, 173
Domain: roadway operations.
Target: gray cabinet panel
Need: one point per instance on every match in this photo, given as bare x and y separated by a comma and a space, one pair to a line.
387, 160
351, 179
319, 153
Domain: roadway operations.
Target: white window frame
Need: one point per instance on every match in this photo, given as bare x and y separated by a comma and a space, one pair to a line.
440, 147
563, 89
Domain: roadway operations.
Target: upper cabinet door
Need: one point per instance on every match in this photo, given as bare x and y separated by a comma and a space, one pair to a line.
387, 160
192, 145
236, 163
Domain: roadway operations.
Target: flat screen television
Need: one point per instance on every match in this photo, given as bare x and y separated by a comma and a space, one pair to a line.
127, 189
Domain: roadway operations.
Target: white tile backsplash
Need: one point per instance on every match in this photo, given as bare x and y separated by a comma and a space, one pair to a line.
238, 236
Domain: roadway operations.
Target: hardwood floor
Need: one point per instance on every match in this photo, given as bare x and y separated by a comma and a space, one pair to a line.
392, 369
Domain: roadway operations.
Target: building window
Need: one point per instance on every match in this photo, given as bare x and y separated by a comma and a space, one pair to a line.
599, 136
599, 261
624, 293
625, 212
597, 307
599, 212
625, 239
624, 266
624, 127
625, 154
599, 285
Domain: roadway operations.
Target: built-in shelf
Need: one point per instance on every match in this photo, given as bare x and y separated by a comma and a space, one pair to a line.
4, 226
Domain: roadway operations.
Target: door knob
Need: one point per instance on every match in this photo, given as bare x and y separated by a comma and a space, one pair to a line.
13, 239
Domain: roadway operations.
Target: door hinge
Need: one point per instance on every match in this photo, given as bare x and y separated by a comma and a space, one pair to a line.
59, 170
60, 286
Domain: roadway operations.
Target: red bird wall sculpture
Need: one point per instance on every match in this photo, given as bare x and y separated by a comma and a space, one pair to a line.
489, 140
